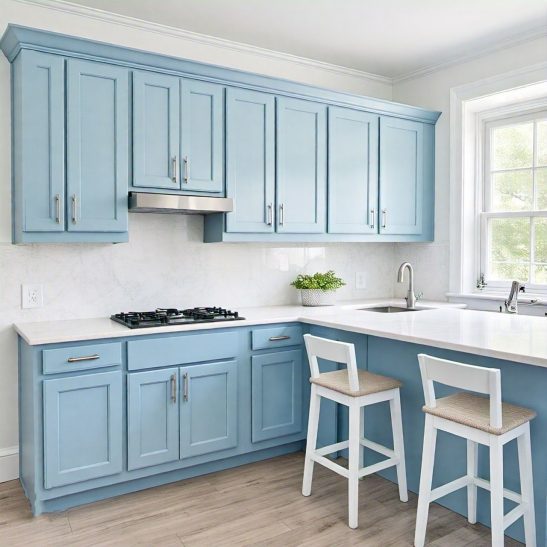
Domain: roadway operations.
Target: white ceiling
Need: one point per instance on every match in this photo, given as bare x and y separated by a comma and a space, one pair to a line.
385, 37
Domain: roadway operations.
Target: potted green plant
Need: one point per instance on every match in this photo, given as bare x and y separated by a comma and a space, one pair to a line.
318, 289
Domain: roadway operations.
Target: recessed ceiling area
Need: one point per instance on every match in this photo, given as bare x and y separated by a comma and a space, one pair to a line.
389, 38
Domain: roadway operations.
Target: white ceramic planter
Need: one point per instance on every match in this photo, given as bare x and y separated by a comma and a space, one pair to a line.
317, 297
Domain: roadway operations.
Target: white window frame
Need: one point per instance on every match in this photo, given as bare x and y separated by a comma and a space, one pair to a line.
489, 120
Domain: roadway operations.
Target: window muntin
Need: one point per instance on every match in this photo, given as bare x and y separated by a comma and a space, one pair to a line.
514, 215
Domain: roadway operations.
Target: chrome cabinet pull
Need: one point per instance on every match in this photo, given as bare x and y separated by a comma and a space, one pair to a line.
270, 214
281, 214
277, 338
174, 170
74, 209
371, 218
58, 208
93, 357
186, 169
384, 218
186, 386
174, 388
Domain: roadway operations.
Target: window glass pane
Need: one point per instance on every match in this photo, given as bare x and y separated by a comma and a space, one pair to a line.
509, 248
542, 143
540, 225
540, 274
512, 146
541, 189
512, 191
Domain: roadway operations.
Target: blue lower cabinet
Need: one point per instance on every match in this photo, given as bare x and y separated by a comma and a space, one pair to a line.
276, 394
208, 408
152, 418
82, 428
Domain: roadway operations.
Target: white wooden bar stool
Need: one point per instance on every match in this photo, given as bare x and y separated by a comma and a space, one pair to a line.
484, 420
355, 389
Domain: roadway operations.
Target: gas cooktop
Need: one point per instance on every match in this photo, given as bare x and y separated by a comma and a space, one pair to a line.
172, 316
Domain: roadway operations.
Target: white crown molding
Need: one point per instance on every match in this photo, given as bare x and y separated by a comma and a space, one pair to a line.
166, 30
528, 36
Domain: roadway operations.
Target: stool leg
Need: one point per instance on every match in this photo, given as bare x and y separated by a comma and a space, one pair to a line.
426, 476
472, 470
362, 435
527, 486
496, 491
311, 442
353, 467
398, 444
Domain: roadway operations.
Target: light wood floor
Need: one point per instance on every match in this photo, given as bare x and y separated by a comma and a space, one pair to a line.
257, 504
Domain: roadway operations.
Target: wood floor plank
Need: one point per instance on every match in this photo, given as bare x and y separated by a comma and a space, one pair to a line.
259, 504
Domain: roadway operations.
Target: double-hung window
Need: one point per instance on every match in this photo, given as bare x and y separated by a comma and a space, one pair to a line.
513, 219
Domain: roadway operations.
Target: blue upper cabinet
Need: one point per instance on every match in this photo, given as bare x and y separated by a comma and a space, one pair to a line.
97, 147
353, 172
401, 176
156, 140
301, 166
82, 428
39, 141
208, 408
250, 160
202, 136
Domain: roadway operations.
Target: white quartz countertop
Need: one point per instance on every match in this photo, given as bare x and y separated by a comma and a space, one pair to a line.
516, 338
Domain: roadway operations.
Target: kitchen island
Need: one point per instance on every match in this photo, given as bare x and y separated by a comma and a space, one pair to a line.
251, 359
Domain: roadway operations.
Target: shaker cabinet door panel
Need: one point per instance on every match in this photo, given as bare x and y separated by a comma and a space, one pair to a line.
152, 418
97, 147
39, 142
82, 428
401, 176
156, 127
250, 157
301, 166
353, 172
202, 136
276, 394
208, 408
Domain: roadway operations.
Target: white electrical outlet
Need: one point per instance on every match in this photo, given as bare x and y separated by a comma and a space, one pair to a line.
32, 296
360, 280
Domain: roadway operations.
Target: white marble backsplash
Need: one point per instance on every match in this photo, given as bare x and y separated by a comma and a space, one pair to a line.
166, 263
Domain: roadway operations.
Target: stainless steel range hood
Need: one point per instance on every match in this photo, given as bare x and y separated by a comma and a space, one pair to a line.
145, 202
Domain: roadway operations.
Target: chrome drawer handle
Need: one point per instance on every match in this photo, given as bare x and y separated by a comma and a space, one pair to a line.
371, 218
384, 218
74, 209
84, 358
277, 338
186, 386
174, 388
186, 169
58, 208
174, 170
270, 214
281, 214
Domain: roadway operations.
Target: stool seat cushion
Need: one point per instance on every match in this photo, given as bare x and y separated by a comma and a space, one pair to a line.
474, 411
338, 380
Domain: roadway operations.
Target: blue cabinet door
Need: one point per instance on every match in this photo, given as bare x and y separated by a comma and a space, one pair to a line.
39, 142
353, 172
301, 166
250, 167
82, 428
97, 146
208, 408
156, 128
276, 394
202, 136
152, 418
401, 176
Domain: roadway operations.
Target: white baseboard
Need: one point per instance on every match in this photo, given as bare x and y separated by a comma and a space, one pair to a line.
9, 463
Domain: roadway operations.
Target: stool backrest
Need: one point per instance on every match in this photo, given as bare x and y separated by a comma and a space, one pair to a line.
331, 350
469, 377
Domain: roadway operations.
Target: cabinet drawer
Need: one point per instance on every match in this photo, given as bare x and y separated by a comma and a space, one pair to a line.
180, 350
81, 357
276, 337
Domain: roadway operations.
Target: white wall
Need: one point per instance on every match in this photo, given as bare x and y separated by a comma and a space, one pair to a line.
433, 91
165, 262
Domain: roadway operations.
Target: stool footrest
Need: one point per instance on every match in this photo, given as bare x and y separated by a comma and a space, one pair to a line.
331, 448
330, 465
380, 448
448, 488
509, 494
513, 515
374, 468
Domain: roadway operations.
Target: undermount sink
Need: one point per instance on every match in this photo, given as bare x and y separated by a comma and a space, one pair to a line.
389, 309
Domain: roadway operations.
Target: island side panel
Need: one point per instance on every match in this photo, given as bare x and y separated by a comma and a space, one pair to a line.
524, 385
